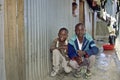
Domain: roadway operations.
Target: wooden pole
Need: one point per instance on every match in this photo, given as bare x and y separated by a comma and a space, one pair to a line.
14, 40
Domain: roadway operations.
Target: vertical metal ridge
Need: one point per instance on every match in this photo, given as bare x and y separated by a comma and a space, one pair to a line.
2, 41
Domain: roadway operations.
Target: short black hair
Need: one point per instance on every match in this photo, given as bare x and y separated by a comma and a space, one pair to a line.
74, 4
63, 29
79, 24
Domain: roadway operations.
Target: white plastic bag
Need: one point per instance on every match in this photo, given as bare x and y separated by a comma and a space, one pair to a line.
103, 61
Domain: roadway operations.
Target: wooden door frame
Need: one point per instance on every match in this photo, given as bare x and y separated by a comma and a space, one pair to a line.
14, 39
82, 15
81, 12
93, 27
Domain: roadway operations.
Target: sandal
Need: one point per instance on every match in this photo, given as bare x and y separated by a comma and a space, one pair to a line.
77, 74
88, 74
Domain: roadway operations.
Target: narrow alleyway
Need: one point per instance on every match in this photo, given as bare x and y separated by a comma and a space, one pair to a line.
28, 28
107, 67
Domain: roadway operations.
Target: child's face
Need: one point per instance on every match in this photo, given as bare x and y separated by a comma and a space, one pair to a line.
62, 35
80, 30
74, 7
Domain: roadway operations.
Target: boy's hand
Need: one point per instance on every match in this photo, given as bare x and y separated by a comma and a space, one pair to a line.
81, 53
78, 59
64, 47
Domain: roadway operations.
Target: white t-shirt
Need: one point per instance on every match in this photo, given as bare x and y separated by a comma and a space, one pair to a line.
79, 44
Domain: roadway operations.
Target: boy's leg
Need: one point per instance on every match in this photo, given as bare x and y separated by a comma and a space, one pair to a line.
67, 68
56, 61
92, 60
90, 63
86, 62
74, 64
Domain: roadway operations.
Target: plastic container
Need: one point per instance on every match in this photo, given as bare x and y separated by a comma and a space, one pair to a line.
108, 47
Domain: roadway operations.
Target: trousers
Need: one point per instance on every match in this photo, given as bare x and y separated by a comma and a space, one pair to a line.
59, 59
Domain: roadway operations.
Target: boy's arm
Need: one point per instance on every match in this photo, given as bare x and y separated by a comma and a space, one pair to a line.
71, 51
53, 46
93, 49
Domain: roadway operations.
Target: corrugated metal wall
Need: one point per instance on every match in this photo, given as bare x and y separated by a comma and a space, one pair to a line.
2, 56
43, 18
88, 18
